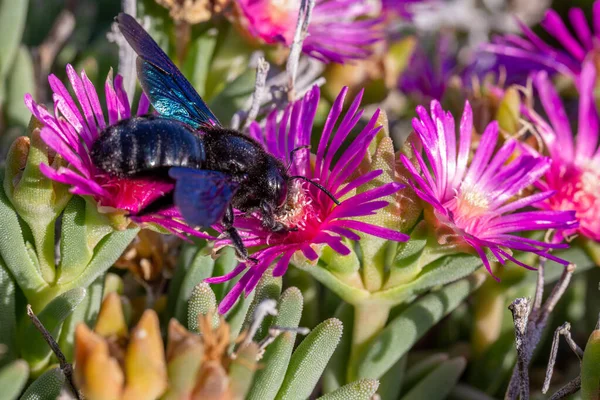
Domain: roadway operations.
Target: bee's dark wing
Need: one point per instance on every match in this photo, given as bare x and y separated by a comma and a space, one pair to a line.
202, 196
169, 92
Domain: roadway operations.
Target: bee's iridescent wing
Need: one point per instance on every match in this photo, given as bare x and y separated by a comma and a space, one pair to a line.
169, 92
202, 196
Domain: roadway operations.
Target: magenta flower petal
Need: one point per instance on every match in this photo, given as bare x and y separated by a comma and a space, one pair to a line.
575, 171
315, 217
531, 53
339, 30
474, 201
71, 133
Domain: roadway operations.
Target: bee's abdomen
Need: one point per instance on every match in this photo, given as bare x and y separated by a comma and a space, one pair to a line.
147, 145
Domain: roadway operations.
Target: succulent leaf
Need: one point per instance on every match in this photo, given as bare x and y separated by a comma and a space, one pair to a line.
438, 384
13, 378
33, 346
309, 360
200, 268
202, 302
334, 376
47, 386
404, 330
363, 389
590, 368
8, 316
268, 379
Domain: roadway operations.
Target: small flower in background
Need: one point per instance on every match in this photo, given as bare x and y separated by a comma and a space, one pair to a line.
339, 30
530, 53
71, 135
473, 202
312, 216
428, 72
193, 11
575, 170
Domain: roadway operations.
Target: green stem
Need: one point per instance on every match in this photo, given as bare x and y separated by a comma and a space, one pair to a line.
369, 320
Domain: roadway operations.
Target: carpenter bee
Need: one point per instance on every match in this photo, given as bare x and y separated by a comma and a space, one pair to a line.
214, 169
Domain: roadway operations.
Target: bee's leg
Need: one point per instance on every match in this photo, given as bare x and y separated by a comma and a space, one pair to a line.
234, 235
268, 219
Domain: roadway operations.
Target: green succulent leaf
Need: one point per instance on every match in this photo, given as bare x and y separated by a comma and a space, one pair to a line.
422, 368
268, 379
268, 287
47, 386
334, 376
75, 252
234, 95
438, 384
19, 81
13, 249
590, 371
13, 378
108, 250
405, 329
392, 383
310, 359
242, 370
35, 350
8, 316
224, 264
466, 392
202, 301
198, 59
201, 267
12, 23
86, 312
363, 389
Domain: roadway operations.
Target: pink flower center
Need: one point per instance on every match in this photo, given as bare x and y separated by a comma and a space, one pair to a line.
299, 211
274, 19
469, 208
579, 189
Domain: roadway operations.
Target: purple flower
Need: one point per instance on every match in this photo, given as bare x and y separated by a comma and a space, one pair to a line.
315, 219
71, 134
473, 202
403, 8
575, 171
339, 30
427, 75
531, 53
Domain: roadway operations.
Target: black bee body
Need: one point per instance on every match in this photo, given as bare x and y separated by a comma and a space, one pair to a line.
214, 169
147, 145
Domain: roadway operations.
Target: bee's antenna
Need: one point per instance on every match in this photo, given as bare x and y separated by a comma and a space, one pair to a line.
292, 156
327, 192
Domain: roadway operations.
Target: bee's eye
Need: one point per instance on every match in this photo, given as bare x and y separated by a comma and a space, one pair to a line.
282, 194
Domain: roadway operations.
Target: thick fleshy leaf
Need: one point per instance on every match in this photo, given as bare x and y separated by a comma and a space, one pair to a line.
111, 319
509, 111
198, 59
8, 316
491, 371
439, 272
309, 360
33, 346
234, 95
106, 253
20, 81
201, 267
268, 379
14, 251
12, 23
224, 264
85, 312
47, 386
202, 301
242, 370
268, 287
363, 389
421, 368
391, 384
334, 376
75, 250
404, 330
437, 384
590, 373
13, 378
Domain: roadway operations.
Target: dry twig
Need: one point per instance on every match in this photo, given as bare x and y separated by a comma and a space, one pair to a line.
65, 367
